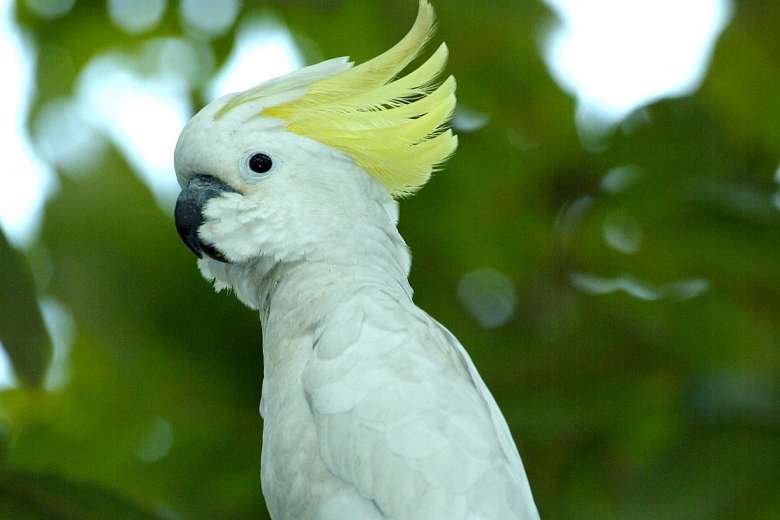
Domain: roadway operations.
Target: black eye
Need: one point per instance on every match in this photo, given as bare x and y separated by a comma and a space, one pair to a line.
260, 163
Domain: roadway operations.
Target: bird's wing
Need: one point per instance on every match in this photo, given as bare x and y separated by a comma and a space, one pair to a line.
400, 416
500, 425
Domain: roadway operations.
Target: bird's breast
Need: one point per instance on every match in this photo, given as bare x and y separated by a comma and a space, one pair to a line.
294, 478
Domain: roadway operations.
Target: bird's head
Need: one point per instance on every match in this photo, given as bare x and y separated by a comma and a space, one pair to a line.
292, 168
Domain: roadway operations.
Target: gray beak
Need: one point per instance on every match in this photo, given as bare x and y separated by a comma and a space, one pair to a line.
189, 212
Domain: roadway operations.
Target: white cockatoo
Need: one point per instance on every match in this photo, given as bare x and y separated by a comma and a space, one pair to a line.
371, 408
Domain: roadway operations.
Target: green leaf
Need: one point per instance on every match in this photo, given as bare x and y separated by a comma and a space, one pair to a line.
32, 496
22, 331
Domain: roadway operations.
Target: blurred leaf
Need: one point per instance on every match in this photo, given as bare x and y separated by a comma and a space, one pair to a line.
716, 476
29, 496
22, 330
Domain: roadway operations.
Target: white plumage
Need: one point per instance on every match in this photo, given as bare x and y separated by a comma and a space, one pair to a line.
372, 410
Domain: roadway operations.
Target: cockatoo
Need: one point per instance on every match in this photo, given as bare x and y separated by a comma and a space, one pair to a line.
372, 409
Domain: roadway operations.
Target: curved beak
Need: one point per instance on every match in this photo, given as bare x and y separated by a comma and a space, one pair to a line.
189, 212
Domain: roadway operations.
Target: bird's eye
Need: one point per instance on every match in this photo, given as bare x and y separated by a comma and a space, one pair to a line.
257, 166
260, 163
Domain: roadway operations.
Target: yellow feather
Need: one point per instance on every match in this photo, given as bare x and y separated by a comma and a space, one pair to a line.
416, 83
381, 69
394, 127
392, 117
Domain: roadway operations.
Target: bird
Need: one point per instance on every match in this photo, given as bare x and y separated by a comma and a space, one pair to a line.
290, 199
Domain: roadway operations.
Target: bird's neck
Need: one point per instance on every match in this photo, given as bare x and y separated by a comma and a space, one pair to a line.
306, 291
296, 300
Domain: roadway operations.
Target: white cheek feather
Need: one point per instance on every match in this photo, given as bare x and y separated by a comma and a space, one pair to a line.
235, 227
213, 272
223, 227
239, 278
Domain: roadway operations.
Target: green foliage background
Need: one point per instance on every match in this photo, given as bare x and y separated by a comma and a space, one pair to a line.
622, 408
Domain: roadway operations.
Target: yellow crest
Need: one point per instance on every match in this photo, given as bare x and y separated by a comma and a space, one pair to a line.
395, 127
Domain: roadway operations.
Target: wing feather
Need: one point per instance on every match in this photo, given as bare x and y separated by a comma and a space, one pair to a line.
402, 415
